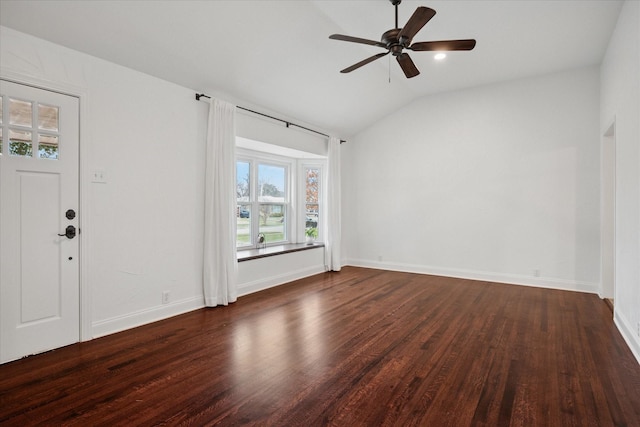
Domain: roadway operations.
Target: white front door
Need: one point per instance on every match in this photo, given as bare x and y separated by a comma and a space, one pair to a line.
39, 200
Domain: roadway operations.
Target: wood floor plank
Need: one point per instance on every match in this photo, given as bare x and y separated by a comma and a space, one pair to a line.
360, 347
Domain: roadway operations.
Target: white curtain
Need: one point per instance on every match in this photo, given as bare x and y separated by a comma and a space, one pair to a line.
220, 263
332, 241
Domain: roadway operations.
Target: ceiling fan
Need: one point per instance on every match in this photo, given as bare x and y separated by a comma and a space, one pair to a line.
398, 39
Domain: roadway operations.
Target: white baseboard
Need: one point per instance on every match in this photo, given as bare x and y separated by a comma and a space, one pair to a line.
153, 314
142, 317
628, 333
514, 279
270, 282
623, 325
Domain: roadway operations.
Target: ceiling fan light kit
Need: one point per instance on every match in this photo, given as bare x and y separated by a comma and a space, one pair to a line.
396, 40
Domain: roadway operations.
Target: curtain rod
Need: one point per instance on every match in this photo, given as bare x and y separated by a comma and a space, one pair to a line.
286, 122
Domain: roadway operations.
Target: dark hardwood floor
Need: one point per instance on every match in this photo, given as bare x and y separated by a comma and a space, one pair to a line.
357, 348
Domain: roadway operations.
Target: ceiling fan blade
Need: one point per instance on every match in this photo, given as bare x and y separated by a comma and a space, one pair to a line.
356, 40
420, 17
467, 44
407, 65
364, 62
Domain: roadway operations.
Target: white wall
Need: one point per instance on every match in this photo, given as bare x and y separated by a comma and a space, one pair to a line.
620, 92
262, 273
142, 230
263, 129
498, 183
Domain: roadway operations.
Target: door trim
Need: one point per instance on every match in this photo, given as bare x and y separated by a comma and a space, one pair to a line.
608, 142
85, 325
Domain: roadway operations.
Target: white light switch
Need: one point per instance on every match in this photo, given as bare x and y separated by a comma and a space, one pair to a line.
99, 176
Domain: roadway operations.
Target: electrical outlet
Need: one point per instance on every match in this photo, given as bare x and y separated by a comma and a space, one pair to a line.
165, 297
536, 273
379, 257
638, 329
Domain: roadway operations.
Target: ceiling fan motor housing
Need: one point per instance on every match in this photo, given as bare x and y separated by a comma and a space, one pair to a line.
395, 45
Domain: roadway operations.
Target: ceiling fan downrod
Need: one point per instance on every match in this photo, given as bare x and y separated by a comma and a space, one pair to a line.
396, 3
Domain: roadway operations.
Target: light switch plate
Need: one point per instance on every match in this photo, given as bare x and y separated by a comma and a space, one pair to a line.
99, 176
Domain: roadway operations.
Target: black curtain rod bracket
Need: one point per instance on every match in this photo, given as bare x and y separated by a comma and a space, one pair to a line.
287, 124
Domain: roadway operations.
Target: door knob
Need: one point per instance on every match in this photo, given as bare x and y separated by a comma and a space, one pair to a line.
69, 232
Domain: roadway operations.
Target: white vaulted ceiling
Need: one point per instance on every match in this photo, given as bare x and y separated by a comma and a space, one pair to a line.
277, 54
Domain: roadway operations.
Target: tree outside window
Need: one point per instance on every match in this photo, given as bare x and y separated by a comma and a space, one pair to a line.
312, 202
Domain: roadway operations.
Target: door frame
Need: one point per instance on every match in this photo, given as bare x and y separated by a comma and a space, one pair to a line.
85, 326
608, 143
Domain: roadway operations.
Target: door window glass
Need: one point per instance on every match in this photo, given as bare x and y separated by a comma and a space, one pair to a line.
47, 117
20, 112
20, 143
32, 129
48, 146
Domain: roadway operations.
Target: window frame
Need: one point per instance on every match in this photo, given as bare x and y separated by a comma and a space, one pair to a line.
295, 194
256, 158
303, 165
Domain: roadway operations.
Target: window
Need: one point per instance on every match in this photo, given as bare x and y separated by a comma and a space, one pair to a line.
312, 180
273, 202
279, 198
243, 196
263, 197
33, 129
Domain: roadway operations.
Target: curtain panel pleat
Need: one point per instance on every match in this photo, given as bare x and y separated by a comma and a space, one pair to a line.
334, 223
220, 268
